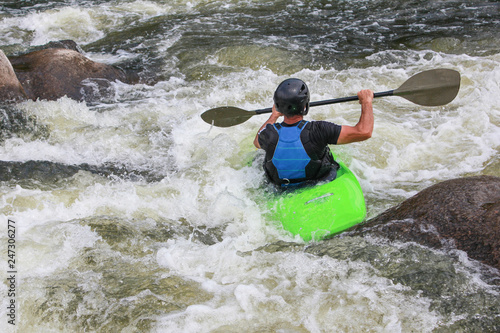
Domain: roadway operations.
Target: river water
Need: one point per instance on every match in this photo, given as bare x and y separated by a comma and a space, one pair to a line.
134, 215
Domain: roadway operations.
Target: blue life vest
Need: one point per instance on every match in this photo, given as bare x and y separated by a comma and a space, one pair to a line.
290, 157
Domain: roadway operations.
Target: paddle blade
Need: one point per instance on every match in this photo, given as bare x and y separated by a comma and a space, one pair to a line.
431, 88
226, 116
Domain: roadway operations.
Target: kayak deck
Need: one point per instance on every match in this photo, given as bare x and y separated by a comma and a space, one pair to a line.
321, 210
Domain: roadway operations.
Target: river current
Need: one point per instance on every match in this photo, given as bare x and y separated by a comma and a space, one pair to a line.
134, 215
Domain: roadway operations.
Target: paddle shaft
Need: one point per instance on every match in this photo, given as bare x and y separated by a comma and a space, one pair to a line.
331, 101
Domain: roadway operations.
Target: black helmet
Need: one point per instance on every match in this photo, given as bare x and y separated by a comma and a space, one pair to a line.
292, 97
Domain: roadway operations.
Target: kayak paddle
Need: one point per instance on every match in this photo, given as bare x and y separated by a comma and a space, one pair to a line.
429, 88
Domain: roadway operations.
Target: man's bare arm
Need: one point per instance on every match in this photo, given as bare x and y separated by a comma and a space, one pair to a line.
364, 128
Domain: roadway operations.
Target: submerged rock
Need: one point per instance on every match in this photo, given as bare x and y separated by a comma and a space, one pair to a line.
460, 213
15, 122
50, 172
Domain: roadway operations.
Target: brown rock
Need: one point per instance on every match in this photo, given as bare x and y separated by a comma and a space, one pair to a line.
460, 213
55, 72
11, 89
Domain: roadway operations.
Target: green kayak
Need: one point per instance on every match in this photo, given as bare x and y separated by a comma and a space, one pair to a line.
324, 209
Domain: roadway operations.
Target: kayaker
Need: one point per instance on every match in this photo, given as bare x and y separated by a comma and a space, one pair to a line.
297, 151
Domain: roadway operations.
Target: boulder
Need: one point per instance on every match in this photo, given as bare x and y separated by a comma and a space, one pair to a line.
56, 72
11, 89
460, 213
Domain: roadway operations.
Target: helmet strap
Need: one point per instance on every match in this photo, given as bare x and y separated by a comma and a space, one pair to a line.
306, 110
